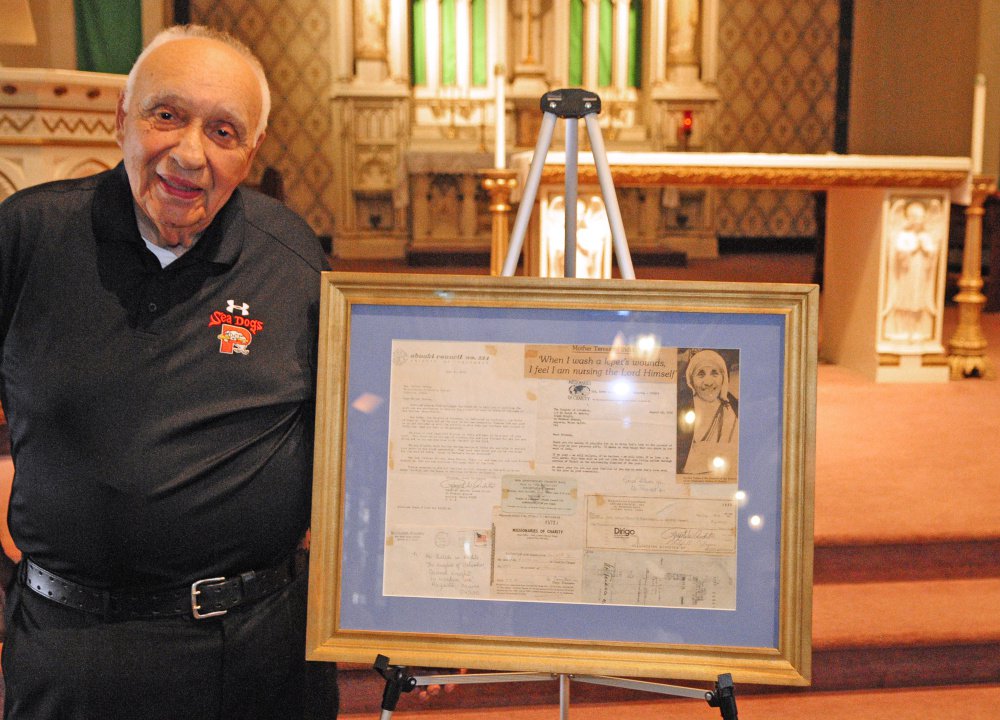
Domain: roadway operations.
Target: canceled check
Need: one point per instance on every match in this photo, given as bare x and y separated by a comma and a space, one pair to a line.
664, 525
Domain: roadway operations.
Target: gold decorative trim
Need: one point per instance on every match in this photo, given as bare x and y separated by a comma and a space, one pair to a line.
801, 178
936, 360
928, 360
60, 141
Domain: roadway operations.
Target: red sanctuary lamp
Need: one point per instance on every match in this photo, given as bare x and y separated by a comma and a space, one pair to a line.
687, 126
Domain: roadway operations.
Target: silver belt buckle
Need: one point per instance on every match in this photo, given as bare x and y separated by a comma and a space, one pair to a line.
195, 592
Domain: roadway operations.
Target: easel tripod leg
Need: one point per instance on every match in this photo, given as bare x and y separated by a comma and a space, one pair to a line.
622, 254
529, 194
570, 194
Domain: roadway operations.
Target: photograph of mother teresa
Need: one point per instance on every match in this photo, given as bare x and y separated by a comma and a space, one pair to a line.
708, 426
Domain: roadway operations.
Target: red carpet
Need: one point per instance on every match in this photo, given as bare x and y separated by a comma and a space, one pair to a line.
914, 457
968, 703
907, 568
906, 621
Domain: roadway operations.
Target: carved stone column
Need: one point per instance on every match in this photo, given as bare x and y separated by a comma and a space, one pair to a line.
967, 356
499, 184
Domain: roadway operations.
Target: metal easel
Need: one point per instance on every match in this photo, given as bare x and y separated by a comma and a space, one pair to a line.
571, 105
399, 681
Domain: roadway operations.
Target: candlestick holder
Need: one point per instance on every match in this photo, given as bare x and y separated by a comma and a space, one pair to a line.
967, 348
499, 183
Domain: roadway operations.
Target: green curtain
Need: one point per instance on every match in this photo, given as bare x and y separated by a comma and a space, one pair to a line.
606, 40
576, 42
448, 62
605, 60
479, 70
108, 35
419, 43
635, 44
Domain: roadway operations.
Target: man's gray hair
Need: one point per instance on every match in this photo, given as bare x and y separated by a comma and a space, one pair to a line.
183, 32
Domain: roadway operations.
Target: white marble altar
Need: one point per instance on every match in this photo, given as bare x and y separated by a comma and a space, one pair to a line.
440, 190
886, 240
55, 124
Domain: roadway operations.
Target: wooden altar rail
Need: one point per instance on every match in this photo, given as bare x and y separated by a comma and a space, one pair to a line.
967, 356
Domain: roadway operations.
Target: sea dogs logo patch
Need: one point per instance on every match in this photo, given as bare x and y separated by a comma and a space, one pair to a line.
236, 328
234, 339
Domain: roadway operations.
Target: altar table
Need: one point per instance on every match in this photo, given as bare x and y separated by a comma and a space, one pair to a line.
886, 240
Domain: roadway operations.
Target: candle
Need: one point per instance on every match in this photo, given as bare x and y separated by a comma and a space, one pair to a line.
501, 115
978, 124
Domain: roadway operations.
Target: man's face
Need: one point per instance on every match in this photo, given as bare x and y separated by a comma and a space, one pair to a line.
187, 134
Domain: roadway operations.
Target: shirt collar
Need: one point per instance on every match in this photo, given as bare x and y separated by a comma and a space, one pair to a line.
113, 220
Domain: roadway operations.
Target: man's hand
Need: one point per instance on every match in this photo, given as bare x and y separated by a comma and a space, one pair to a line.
7, 570
7, 567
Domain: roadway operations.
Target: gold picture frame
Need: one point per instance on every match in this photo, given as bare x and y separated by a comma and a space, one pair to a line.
762, 636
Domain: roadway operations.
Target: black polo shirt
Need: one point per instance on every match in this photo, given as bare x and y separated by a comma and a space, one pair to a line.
161, 418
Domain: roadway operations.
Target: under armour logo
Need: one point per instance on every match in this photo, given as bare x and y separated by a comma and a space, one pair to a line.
233, 307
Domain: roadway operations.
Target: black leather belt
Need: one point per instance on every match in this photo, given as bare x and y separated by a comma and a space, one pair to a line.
206, 598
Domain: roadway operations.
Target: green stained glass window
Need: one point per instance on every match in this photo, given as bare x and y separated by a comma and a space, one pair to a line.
448, 61
635, 44
576, 42
606, 30
419, 43
479, 70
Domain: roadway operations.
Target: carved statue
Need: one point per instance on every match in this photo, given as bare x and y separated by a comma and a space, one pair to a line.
593, 243
682, 30
593, 238
917, 236
370, 21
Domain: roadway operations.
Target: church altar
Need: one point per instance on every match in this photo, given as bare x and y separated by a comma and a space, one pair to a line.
440, 189
55, 124
882, 303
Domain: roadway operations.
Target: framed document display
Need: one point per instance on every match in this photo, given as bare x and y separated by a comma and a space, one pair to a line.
566, 476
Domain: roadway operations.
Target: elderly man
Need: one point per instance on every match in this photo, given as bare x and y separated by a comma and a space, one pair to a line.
158, 373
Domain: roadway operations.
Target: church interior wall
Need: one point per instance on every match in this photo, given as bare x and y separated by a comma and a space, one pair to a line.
777, 88
777, 82
911, 88
56, 46
989, 65
912, 77
292, 40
